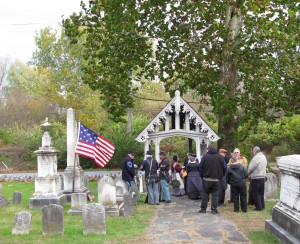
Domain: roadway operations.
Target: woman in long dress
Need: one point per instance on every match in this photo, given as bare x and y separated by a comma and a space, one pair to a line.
172, 166
180, 190
194, 182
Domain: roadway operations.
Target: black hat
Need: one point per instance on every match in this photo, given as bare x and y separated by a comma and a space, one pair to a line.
194, 155
131, 152
149, 152
163, 153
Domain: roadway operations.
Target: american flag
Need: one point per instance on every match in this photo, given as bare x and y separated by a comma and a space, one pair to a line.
93, 146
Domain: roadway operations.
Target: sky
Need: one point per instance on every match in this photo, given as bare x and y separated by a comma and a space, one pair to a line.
20, 19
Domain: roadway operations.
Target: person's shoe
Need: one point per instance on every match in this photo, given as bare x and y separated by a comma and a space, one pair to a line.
162, 200
236, 211
157, 203
255, 209
168, 201
202, 211
214, 212
221, 205
244, 211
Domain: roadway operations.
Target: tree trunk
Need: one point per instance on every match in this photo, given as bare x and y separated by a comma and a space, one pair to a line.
228, 111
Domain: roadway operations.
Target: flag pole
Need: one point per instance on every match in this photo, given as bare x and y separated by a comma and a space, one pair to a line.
78, 128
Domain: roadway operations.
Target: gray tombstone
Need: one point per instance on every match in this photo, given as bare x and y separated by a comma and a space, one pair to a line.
77, 201
17, 197
93, 219
107, 195
22, 223
3, 201
86, 182
271, 192
134, 192
127, 204
227, 193
62, 184
52, 219
119, 193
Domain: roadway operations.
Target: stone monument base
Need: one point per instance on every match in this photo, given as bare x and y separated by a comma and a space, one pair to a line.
285, 224
40, 202
112, 211
3, 201
279, 233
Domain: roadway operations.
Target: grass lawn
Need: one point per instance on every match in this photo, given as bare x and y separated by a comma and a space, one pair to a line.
118, 229
252, 223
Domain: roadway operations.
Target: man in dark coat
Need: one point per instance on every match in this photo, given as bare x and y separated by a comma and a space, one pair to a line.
150, 166
212, 169
128, 171
223, 183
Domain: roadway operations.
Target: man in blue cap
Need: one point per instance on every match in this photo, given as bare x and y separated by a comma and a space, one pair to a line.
128, 171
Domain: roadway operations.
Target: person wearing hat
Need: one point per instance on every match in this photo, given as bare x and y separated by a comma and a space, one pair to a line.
164, 176
194, 182
223, 183
150, 166
128, 171
212, 169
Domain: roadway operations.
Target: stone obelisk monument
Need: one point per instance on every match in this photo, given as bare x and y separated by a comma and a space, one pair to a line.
47, 184
73, 175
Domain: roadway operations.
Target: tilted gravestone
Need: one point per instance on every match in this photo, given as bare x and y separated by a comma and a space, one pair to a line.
93, 219
107, 195
17, 197
52, 219
127, 204
271, 192
22, 223
77, 201
3, 201
134, 193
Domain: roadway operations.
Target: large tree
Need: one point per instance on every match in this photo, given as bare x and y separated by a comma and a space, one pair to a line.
241, 56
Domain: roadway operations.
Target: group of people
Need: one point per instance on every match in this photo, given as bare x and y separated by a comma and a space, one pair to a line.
198, 180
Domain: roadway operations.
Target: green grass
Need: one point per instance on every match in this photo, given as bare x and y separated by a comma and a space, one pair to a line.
262, 237
118, 229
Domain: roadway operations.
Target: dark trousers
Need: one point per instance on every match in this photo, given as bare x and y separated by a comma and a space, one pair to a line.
250, 197
210, 187
258, 190
239, 191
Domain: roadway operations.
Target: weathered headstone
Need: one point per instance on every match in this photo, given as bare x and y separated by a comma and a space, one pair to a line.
62, 182
134, 193
77, 201
141, 183
52, 219
86, 182
271, 192
17, 197
119, 193
227, 193
3, 201
285, 223
47, 184
107, 195
93, 219
127, 204
22, 223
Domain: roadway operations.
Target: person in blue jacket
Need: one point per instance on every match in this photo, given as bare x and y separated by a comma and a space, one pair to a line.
128, 171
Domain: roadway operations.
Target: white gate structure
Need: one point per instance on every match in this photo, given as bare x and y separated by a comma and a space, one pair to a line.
178, 118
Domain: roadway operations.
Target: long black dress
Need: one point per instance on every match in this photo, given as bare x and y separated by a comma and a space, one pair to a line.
194, 181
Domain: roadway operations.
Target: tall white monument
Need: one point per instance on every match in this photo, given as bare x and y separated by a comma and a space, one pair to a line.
73, 175
47, 184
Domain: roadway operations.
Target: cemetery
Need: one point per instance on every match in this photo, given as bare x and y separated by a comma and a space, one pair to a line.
151, 122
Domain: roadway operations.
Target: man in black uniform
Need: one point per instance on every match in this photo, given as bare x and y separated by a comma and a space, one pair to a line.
128, 171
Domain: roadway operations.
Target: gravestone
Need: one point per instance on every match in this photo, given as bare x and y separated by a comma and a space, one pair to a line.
119, 194
227, 193
22, 223
285, 223
93, 219
3, 201
47, 183
271, 192
62, 182
107, 195
52, 219
141, 183
17, 197
77, 201
127, 204
86, 182
134, 193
